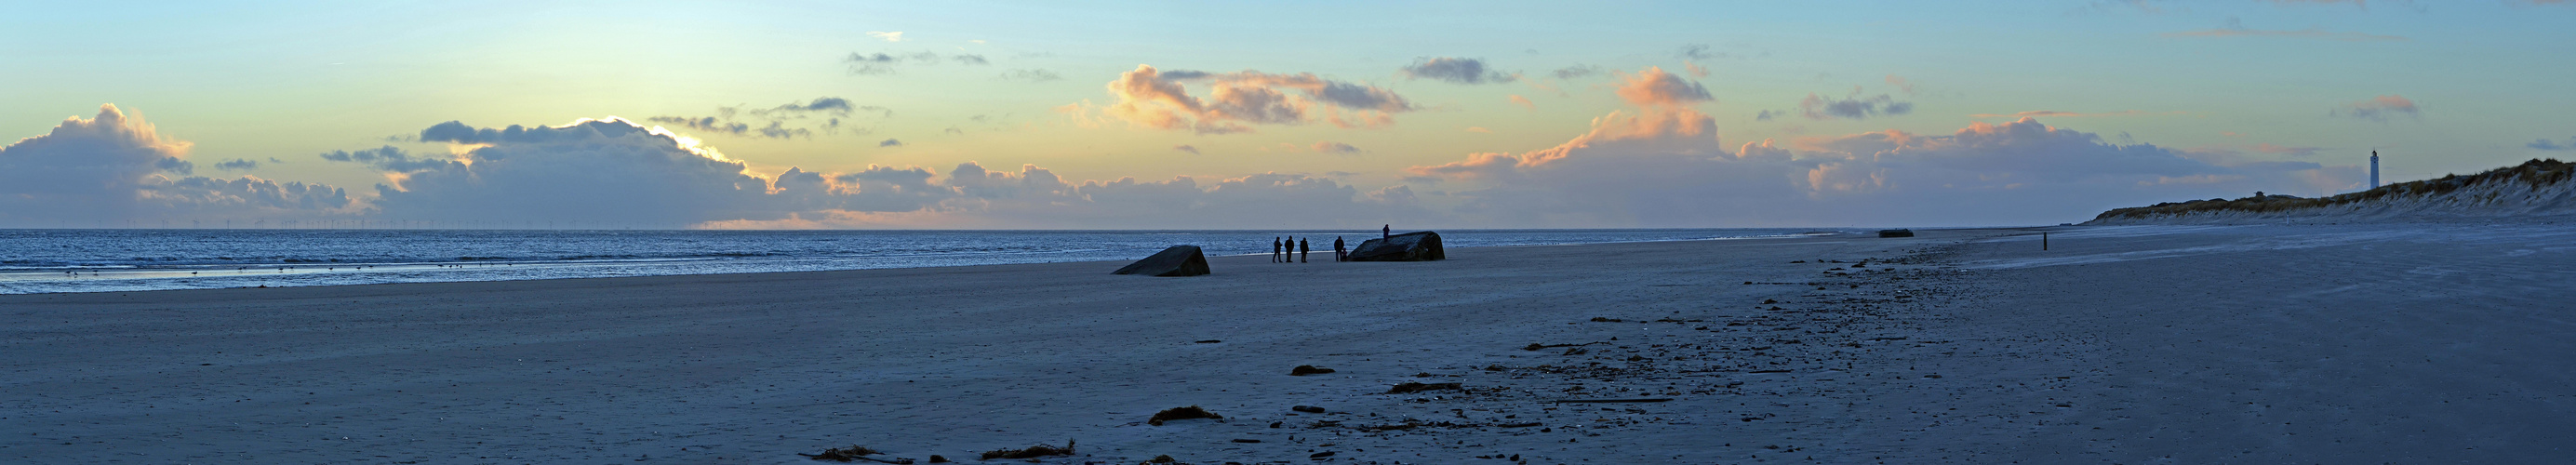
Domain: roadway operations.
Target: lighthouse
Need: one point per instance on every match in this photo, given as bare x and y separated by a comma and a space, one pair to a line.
2374, 169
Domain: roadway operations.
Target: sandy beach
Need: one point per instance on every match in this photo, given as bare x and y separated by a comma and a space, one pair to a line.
2406, 343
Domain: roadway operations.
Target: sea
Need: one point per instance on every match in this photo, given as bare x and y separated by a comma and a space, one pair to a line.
110, 260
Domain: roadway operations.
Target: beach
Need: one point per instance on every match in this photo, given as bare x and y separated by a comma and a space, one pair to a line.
2408, 343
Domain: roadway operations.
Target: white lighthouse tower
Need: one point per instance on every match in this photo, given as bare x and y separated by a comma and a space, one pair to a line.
2374, 169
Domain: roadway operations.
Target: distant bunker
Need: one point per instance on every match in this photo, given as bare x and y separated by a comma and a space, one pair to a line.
1180, 260
1408, 247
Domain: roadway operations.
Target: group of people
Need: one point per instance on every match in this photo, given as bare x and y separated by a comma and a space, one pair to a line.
1293, 250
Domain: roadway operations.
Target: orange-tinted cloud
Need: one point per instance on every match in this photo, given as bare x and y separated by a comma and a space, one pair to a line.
1160, 99
2379, 108
1653, 87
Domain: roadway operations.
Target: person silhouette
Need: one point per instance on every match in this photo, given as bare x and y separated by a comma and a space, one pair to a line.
1302, 250
1288, 250
1386, 232
1340, 254
1274, 250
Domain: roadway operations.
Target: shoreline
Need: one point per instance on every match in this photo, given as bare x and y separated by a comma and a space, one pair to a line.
147, 278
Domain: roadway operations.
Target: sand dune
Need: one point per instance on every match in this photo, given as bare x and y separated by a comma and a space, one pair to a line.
2407, 343
2536, 191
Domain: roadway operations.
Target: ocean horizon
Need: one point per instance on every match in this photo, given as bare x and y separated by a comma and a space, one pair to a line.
35, 261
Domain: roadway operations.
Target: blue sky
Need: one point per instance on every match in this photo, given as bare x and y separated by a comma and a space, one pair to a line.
2225, 97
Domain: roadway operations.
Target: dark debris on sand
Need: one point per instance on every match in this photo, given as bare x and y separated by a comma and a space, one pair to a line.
1041, 450
1182, 413
853, 453
1419, 387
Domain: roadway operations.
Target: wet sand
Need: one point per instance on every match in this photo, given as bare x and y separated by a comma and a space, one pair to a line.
2406, 343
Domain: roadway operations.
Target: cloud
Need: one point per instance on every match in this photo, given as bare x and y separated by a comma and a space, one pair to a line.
2379, 108
1577, 72
1186, 148
1653, 86
1698, 52
895, 36
1158, 99
1455, 71
2141, 6
2069, 114
883, 63
1524, 102
116, 167
1901, 84
871, 63
890, 143
1662, 122
2286, 150
613, 171
1032, 197
1334, 147
2550, 145
1852, 106
1031, 75
1629, 172
237, 164
1696, 70
388, 158
832, 105
608, 170
704, 124
2236, 28
826, 114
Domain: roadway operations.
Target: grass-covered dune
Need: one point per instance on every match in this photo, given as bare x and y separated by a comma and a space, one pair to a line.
2533, 188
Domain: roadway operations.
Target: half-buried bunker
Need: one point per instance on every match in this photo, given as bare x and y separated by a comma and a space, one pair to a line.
1408, 247
1180, 260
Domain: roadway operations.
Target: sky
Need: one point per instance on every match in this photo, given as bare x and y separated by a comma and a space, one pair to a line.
1249, 115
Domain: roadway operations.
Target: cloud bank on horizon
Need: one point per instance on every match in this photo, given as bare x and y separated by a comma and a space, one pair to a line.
1663, 123
1658, 163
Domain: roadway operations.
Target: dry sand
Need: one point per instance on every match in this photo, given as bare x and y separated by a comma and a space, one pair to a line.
2260, 344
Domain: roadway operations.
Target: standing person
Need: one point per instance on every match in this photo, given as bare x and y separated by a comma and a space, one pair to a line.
1340, 254
1288, 250
1302, 250
1386, 232
1274, 250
